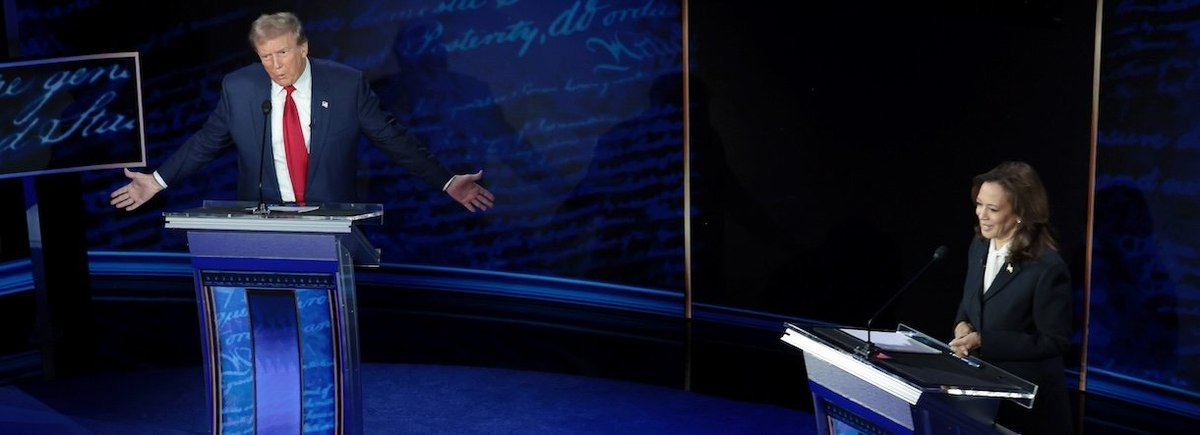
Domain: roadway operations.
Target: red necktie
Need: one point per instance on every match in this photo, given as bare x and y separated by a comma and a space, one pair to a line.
293, 144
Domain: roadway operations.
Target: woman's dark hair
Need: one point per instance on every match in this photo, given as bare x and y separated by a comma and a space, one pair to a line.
1029, 203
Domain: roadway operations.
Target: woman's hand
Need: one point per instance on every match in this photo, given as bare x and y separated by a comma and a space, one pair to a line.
966, 339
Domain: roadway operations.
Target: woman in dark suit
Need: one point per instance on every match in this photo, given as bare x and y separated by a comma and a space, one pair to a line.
1016, 307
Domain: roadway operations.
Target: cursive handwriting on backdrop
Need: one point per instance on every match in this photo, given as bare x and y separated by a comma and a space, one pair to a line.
67, 113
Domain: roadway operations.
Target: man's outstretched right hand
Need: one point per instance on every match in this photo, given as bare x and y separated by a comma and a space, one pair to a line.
140, 189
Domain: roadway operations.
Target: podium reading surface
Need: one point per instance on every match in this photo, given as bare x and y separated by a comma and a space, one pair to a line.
927, 390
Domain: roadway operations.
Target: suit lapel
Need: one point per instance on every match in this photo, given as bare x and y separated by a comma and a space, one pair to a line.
978, 257
319, 122
1006, 274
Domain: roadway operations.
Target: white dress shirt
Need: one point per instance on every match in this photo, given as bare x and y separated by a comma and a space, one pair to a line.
995, 260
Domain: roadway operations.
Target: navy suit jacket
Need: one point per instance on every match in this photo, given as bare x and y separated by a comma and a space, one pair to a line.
1024, 322
343, 107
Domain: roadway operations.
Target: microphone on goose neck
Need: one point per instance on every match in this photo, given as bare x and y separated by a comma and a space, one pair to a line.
262, 156
868, 349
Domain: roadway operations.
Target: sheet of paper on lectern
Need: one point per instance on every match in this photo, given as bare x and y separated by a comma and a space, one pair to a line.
892, 341
294, 208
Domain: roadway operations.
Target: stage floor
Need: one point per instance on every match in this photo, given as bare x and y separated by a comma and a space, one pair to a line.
401, 398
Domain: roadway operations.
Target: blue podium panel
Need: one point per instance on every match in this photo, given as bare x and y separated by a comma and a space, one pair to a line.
278, 319
279, 347
273, 362
838, 414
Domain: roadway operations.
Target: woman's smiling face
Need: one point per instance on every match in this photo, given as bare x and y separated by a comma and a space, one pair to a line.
995, 213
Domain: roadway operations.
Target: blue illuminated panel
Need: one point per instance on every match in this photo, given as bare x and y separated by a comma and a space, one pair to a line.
275, 333
70, 114
275, 352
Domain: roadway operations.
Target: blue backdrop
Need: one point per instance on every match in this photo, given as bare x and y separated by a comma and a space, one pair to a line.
571, 109
1145, 298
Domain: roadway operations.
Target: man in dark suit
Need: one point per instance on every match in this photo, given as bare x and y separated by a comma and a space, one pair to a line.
310, 112
1016, 306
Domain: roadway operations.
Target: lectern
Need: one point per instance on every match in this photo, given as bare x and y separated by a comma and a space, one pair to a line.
913, 384
278, 313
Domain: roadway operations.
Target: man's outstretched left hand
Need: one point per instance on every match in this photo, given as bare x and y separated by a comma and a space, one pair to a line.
466, 190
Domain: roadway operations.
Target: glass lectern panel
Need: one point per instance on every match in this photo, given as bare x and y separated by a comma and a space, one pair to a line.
938, 372
359, 212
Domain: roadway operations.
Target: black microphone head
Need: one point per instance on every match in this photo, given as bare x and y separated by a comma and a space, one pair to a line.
940, 252
266, 106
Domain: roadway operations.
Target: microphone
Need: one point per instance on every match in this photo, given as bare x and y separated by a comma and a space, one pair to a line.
869, 349
262, 157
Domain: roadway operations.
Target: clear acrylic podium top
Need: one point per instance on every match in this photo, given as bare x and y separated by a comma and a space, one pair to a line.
241, 216
913, 373
340, 220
